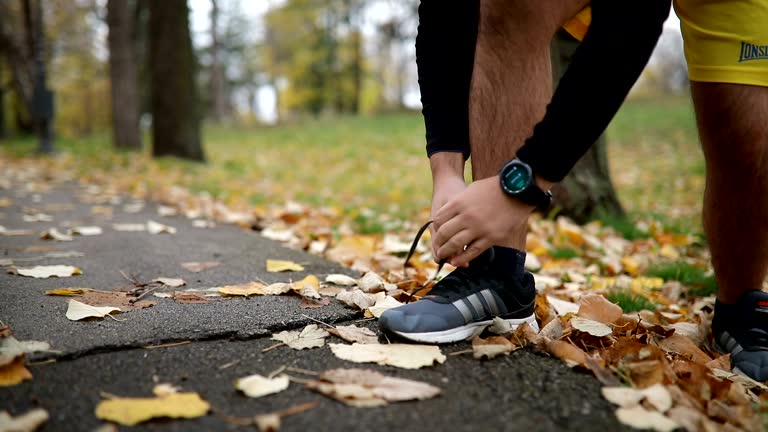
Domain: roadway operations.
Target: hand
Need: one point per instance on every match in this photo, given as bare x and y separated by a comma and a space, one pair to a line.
480, 217
445, 189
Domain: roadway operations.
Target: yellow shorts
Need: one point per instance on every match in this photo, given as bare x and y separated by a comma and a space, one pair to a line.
725, 40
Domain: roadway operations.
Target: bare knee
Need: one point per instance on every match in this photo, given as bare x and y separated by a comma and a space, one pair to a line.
532, 20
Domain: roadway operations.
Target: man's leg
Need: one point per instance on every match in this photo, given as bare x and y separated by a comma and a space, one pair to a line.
733, 128
512, 79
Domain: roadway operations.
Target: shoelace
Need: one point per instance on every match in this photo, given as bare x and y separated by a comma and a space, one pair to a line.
414, 245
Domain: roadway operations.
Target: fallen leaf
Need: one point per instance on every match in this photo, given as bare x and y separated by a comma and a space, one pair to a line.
566, 352
267, 422
16, 232
14, 373
310, 292
352, 333
492, 347
246, 289
356, 298
68, 291
398, 355
165, 389
330, 291
169, 282
682, 345
625, 397
255, 386
37, 217
275, 266
6, 262
129, 227
54, 234
500, 326
200, 223
158, 228
86, 230
309, 281
120, 299
188, 298
277, 288
28, 422
658, 396
10, 348
562, 307
382, 305
77, 311
371, 282
166, 211
641, 418
368, 388
598, 308
310, 337
313, 303
594, 328
197, 267
341, 280
42, 272
132, 411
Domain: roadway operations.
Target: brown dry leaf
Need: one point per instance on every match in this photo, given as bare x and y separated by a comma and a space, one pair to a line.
739, 415
641, 418
371, 283
14, 373
356, 298
132, 411
367, 388
277, 288
197, 267
188, 298
313, 303
42, 272
723, 362
382, 304
562, 307
120, 299
492, 347
682, 345
646, 373
398, 355
598, 308
255, 386
310, 337
352, 333
246, 289
591, 327
276, 266
330, 291
68, 291
28, 422
566, 352
55, 235
170, 282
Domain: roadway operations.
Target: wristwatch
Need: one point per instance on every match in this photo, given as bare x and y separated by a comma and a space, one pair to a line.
517, 181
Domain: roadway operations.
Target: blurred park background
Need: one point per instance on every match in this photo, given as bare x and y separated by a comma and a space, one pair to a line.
264, 102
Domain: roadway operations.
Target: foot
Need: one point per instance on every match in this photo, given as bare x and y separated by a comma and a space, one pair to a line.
742, 331
462, 305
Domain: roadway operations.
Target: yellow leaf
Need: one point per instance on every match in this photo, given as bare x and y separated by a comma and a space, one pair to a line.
132, 411
669, 251
14, 373
68, 291
77, 311
311, 281
275, 266
631, 266
246, 289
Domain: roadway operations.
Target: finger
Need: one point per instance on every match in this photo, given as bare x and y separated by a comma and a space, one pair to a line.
471, 252
445, 213
455, 245
445, 232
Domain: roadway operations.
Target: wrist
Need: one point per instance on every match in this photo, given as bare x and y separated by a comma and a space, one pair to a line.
446, 165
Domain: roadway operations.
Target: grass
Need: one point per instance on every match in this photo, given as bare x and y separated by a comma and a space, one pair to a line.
629, 301
375, 168
697, 279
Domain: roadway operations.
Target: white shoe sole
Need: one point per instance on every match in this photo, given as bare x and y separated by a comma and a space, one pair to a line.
465, 332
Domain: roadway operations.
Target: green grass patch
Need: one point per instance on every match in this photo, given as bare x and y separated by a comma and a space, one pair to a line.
629, 301
696, 278
564, 253
624, 227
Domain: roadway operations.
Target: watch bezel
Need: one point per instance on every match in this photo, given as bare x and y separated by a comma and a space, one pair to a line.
516, 163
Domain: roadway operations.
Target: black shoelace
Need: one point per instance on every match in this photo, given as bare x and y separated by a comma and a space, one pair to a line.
414, 245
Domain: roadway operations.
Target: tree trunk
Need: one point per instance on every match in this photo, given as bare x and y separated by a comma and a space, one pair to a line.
218, 93
175, 116
357, 70
587, 192
123, 76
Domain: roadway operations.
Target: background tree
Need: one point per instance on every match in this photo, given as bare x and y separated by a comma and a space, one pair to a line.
587, 192
175, 115
123, 75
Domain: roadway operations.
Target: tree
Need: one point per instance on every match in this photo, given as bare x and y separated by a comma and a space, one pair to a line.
123, 76
217, 78
175, 109
587, 192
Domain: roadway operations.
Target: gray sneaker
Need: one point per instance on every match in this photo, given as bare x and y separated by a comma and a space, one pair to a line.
744, 334
462, 305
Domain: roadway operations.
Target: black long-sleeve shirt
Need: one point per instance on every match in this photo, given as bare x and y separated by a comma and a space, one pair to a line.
614, 52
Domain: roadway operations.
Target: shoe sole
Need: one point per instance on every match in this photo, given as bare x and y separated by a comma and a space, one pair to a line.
465, 332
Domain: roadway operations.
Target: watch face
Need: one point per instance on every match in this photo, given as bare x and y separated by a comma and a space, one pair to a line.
516, 178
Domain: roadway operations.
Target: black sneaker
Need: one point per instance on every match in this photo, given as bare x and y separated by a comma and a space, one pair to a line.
742, 331
463, 304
